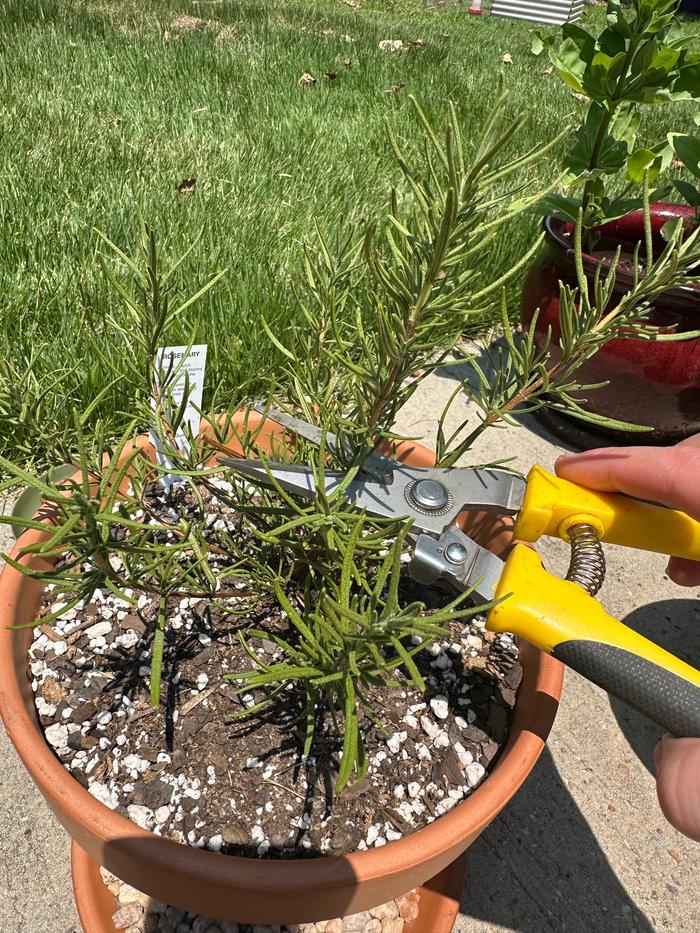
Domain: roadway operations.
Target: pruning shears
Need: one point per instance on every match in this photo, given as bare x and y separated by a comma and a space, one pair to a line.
559, 616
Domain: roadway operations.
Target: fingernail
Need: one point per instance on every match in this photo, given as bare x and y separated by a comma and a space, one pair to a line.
658, 752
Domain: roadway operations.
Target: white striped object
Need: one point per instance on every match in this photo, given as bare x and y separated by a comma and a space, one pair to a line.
553, 12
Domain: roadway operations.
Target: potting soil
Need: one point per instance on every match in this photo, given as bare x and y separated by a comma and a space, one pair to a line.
186, 771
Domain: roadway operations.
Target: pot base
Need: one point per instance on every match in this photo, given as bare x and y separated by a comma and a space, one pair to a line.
438, 898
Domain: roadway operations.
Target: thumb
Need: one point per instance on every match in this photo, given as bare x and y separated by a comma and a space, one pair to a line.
678, 783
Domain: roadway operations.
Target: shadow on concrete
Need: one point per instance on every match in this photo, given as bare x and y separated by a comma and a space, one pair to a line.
487, 361
675, 625
539, 869
539, 866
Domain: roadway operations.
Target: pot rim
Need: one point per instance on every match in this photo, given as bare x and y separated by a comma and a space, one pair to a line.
553, 227
542, 676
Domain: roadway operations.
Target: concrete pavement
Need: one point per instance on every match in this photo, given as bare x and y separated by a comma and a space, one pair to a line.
583, 847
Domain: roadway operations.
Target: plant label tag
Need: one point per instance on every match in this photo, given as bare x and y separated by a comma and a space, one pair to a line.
176, 368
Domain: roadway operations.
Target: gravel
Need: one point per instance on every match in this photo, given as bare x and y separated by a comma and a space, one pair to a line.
136, 912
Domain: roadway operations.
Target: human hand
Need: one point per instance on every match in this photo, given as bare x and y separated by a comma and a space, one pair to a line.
671, 476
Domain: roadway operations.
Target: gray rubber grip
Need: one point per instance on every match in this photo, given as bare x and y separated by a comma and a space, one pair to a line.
665, 698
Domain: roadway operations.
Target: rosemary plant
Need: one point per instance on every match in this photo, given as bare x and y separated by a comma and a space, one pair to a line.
378, 314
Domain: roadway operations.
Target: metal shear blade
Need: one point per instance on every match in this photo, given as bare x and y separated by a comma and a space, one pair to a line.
375, 464
431, 497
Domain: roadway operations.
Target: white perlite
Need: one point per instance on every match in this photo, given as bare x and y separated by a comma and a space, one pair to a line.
440, 707
162, 814
102, 793
142, 816
57, 735
99, 628
474, 773
396, 740
464, 756
429, 727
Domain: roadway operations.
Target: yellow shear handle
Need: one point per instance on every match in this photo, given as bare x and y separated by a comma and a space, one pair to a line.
552, 506
563, 620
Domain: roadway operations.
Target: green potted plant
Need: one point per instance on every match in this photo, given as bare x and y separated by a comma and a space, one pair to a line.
639, 59
210, 681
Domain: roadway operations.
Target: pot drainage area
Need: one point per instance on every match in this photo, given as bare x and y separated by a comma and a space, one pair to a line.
136, 912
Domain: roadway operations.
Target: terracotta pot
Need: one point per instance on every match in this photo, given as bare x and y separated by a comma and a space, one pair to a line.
252, 890
438, 898
651, 383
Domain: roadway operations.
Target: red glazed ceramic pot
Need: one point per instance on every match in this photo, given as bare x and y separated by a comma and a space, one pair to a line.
656, 384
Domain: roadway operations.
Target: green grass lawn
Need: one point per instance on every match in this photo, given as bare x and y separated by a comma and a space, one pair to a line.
107, 106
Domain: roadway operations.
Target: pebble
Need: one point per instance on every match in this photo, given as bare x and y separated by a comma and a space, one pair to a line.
442, 662
385, 911
136, 763
131, 915
392, 925
356, 923
136, 912
130, 895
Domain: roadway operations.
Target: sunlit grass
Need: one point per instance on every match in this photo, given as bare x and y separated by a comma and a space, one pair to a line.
106, 106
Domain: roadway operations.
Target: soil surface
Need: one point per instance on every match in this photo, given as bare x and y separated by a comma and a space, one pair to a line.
188, 771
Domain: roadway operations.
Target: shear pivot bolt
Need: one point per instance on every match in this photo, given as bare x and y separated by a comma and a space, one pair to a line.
456, 553
429, 495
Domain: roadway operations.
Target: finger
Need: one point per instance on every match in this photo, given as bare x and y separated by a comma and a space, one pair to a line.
684, 572
678, 783
664, 474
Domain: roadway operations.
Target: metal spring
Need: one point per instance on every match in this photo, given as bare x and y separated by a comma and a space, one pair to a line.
587, 566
